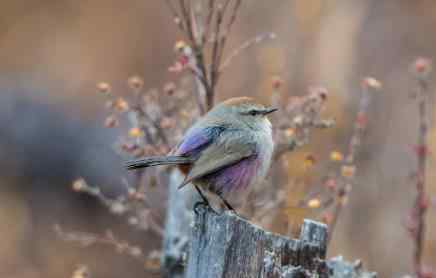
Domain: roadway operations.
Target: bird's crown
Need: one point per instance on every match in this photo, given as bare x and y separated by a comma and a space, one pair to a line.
240, 101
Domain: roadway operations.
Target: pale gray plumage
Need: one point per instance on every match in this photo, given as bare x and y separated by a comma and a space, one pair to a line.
229, 148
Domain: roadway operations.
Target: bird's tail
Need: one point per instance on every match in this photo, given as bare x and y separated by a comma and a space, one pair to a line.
158, 160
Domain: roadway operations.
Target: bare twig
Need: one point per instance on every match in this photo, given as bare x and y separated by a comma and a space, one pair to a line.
422, 68
186, 18
176, 15
143, 217
150, 261
210, 12
224, 36
197, 30
244, 46
146, 116
233, 16
296, 121
348, 170
215, 47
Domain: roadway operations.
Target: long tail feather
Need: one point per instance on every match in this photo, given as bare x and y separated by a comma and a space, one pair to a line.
158, 160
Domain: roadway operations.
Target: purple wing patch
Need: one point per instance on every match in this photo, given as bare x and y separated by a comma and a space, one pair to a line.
196, 140
234, 177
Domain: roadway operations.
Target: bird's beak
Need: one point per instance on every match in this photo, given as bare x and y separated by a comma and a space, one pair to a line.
269, 110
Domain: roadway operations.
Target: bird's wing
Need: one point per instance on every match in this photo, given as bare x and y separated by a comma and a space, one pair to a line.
197, 139
219, 155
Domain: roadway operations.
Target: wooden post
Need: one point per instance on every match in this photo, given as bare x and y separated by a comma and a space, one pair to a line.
227, 246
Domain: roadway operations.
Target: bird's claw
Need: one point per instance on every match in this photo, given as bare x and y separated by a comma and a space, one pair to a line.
199, 204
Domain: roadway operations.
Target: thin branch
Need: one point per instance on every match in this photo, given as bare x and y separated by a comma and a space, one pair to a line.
176, 15
291, 143
147, 117
199, 35
211, 6
134, 202
187, 19
193, 24
218, 44
244, 46
197, 48
422, 69
369, 85
109, 239
215, 47
200, 84
284, 147
234, 15
225, 35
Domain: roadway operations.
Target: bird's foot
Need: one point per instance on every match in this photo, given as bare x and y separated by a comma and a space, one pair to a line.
199, 204
206, 205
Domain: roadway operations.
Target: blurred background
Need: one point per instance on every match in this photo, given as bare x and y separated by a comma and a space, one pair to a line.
52, 53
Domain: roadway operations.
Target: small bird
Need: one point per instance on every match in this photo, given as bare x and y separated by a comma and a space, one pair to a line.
226, 150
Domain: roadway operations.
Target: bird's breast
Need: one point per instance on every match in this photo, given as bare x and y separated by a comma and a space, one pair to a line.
265, 148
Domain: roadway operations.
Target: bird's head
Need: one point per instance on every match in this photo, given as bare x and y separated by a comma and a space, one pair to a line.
244, 110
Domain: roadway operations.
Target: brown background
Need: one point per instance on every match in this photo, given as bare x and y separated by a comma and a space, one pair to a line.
53, 52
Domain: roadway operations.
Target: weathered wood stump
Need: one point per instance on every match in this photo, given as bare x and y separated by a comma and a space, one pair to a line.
177, 227
342, 269
227, 246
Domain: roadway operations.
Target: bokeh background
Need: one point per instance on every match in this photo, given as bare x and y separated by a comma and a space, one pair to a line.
52, 53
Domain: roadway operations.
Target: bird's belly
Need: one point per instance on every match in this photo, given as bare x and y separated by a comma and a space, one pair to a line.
235, 177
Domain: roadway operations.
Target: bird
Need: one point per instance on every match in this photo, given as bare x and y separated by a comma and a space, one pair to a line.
225, 151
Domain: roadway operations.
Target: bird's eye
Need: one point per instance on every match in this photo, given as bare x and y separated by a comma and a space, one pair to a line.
252, 112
